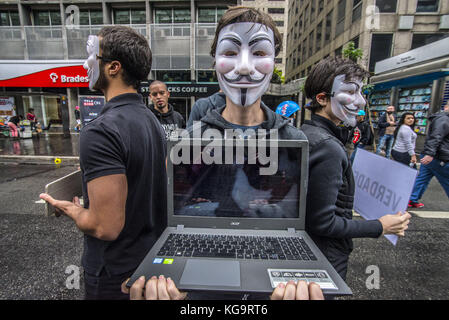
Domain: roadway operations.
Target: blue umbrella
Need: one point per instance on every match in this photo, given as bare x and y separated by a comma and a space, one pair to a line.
287, 108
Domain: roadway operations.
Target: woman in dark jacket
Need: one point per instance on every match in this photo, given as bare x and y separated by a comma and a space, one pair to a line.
334, 85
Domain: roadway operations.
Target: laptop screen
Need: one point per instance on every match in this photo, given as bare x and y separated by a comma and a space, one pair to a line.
240, 188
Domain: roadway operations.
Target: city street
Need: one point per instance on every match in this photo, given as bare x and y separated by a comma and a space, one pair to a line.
37, 250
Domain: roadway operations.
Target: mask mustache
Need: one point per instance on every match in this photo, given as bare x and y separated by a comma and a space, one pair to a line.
240, 77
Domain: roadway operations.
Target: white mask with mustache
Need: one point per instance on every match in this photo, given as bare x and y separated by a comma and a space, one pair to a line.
91, 64
244, 61
347, 99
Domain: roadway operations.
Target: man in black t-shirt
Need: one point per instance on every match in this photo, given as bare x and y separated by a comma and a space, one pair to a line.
122, 158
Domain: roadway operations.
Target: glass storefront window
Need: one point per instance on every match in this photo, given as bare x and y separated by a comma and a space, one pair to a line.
206, 15
47, 18
42, 18
11, 18
163, 16
220, 12
55, 18
121, 17
84, 18
207, 76
138, 17
181, 15
173, 75
96, 17
4, 19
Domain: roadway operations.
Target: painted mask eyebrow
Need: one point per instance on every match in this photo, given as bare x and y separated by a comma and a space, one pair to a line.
259, 39
233, 39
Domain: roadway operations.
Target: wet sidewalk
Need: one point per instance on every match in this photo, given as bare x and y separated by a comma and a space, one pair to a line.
48, 144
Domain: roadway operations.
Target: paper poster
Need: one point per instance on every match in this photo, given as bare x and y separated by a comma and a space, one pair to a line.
383, 186
90, 107
7, 106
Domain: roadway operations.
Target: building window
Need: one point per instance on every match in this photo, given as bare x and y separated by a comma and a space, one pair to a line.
387, 6
129, 16
276, 10
173, 75
9, 18
328, 26
311, 37
427, 6
172, 15
319, 31
47, 18
340, 18
320, 6
422, 39
356, 41
279, 23
356, 10
338, 51
380, 49
312, 10
91, 17
206, 76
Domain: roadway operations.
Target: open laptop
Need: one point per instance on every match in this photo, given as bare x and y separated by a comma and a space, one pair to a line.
232, 229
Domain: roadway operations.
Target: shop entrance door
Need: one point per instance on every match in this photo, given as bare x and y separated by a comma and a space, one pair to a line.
47, 108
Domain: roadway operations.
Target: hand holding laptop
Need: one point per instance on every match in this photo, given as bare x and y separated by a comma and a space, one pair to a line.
165, 289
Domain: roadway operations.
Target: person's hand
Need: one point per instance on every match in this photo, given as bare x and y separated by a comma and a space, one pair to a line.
395, 223
61, 206
426, 160
300, 291
414, 160
154, 289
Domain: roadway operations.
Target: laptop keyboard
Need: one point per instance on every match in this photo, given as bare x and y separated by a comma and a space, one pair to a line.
236, 247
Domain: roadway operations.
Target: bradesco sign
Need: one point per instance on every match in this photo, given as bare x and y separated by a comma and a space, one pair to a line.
43, 74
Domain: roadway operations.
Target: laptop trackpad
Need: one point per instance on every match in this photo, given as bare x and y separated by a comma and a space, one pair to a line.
211, 273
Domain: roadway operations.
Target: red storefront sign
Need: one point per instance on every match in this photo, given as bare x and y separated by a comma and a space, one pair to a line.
64, 76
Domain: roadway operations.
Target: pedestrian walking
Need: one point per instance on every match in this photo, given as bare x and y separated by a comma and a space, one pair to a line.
387, 126
435, 157
362, 135
405, 140
77, 119
122, 159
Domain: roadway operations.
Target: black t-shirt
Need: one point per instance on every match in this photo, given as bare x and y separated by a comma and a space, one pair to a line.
126, 138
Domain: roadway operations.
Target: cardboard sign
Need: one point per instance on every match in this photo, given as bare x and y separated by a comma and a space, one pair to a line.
382, 186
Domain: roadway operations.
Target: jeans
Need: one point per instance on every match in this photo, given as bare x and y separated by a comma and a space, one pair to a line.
426, 173
386, 139
105, 287
358, 146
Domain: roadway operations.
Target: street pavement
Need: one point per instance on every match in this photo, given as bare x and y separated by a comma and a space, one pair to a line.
36, 250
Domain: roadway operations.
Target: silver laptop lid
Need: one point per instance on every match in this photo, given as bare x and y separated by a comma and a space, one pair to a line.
237, 183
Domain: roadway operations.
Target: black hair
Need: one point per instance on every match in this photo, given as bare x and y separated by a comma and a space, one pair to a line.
321, 78
401, 122
130, 48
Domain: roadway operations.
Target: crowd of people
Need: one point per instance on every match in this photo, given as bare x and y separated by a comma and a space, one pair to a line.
123, 151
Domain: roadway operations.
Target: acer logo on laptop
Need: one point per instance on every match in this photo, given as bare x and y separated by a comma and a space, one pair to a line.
235, 223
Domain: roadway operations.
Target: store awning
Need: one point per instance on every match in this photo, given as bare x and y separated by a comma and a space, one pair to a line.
423, 73
424, 78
